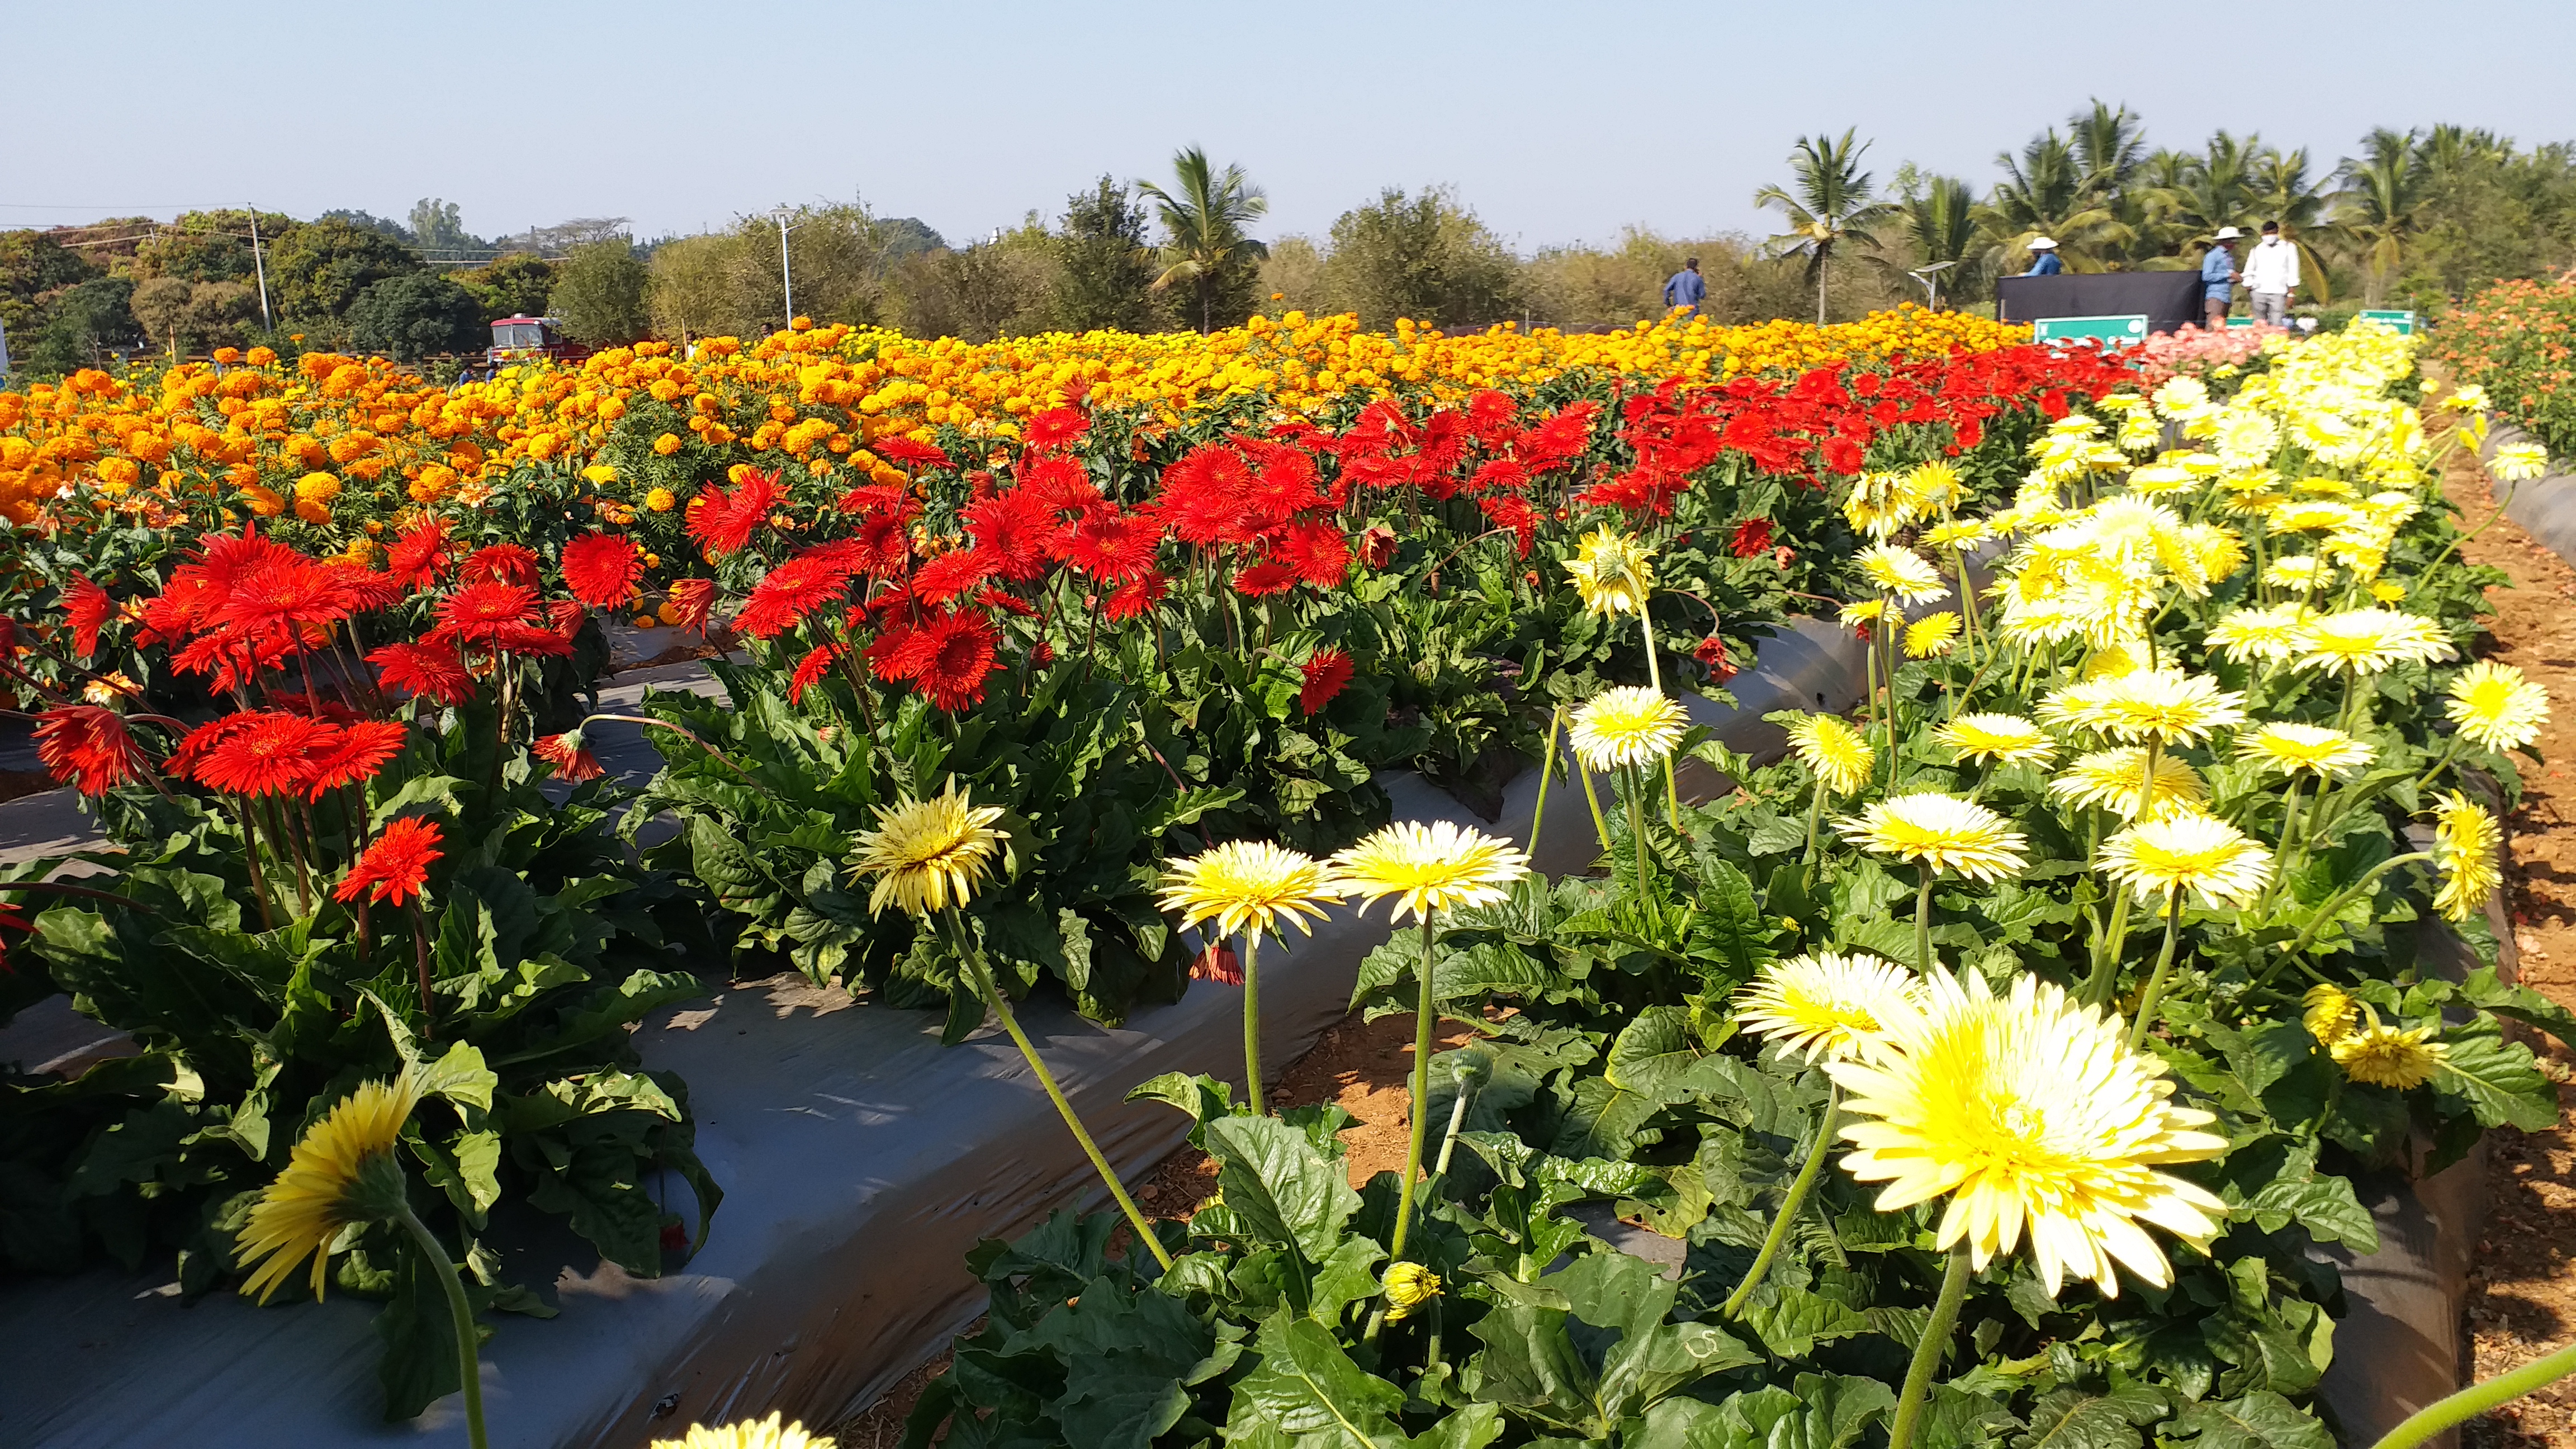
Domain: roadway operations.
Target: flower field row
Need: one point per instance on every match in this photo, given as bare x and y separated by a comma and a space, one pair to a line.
2517, 342
1078, 698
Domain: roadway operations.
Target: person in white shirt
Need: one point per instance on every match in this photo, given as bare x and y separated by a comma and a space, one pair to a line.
2271, 275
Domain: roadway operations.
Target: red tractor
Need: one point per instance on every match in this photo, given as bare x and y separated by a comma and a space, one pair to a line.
529, 339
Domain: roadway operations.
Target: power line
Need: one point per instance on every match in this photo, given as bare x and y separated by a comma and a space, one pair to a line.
103, 206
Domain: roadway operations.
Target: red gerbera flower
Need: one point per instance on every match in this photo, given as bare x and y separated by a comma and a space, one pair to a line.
258, 752
482, 613
951, 574
1264, 579
1217, 963
693, 600
791, 591
1135, 598
353, 754
1317, 551
420, 554
1327, 672
905, 452
722, 522
601, 569
1109, 547
1011, 529
502, 563
568, 757
1055, 427
1514, 512
808, 669
397, 865
1752, 538
87, 608
949, 657
431, 671
87, 746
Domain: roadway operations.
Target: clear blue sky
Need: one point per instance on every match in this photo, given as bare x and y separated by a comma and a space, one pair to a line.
1557, 122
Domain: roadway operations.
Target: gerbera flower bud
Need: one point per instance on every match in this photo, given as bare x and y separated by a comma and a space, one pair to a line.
1408, 1287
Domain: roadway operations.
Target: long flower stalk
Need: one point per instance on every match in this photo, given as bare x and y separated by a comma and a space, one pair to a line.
2479, 1398
1789, 1206
1424, 1011
1930, 1349
461, 1314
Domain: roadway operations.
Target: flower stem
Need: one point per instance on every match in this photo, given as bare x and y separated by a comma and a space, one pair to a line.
1815, 817
1655, 676
1457, 1120
1923, 922
1789, 1205
1422, 1018
1252, 1024
1591, 797
1637, 826
2106, 951
1546, 769
1929, 1352
2334, 907
1001, 1005
2156, 981
467, 1357
2478, 1398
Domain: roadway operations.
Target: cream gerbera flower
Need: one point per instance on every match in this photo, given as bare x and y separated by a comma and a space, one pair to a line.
770, 1433
1612, 572
1252, 885
2165, 705
1901, 572
1835, 753
2291, 748
1956, 534
1932, 635
2300, 575
2270, 635
2468, 848
2518, 463
2030, 1113
2496, 706
2366, 641
1430, 868
2400, 1058
1827, 1005
2112, 779
928, 855
1626, 725
343, 1171
2186, 850
1939, 832
2002, 738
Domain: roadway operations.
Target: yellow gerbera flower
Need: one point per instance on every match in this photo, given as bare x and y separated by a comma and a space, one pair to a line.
2401, 1058
2330, 1013
2468, 848
2003, 738
2496, 706
928, 855
1408, 1286
2366, 641
2030, 1113
343, 1171
1932, 635
2111, 779
1827, 1005
1956, 534
2290, 748
2166, 705
1612, 572
1249, 885
1941, 832
1835, 753
1626, 725
770, 1433
1430, 868
2186, 850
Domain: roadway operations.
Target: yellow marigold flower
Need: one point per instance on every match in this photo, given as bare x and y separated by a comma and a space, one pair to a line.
2271, 635
1835, 753
928, 855
1430, 868
1938, 832
2004, 738
2366, 641
2330, 1013
2290, 748
1249, 885
2495, 705
2468, 849
1408, 1287
770, 1433
1827, 1005
343, 1171
667, 444
316, 488
2111, 779
1901, 572
2399, 1058
1626, 725
2031, 1114
661, 500
1612, 572
2166, 705
2186, 850
1932, 635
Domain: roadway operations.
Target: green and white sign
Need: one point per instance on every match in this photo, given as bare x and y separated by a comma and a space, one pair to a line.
2127, 331
2404, 322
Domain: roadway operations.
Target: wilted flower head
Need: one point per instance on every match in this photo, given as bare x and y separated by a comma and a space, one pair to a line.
2468, 849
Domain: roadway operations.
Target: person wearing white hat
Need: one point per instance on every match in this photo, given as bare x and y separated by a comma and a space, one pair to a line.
2218, 276
2045, 262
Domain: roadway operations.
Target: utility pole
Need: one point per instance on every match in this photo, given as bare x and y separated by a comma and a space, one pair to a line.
260, 267
786, 279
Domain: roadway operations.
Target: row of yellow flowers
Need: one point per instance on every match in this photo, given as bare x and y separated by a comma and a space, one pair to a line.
269, 436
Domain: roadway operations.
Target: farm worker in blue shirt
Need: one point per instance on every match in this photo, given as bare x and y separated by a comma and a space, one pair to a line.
2218, 276
1687, 287
2046, 263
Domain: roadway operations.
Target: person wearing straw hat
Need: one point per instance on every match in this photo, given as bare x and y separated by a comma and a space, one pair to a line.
2218, 276
2044, 261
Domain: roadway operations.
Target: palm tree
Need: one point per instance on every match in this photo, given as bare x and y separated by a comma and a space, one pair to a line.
1940, 219
2044, 193
1203, 225
2446, 149
1829, 203
2278, 189
2377, 201
2110, 144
